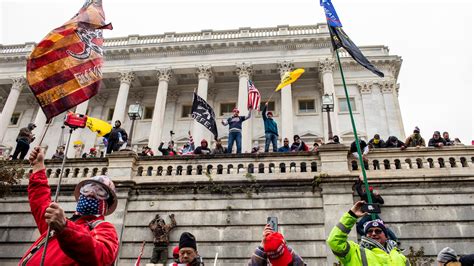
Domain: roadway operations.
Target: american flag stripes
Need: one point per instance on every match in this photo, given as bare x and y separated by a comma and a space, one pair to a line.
65, 68
254, 97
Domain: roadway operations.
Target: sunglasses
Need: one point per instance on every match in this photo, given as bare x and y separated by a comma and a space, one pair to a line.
376, 231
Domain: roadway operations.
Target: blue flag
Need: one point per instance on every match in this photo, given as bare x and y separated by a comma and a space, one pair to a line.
340, 39
331, 15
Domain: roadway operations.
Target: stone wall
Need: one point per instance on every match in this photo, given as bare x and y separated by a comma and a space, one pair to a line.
426, 207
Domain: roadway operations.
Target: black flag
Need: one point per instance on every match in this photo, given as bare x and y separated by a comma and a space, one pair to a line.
340, 39
202, 112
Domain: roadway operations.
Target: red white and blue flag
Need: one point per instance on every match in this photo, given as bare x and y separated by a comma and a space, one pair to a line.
254, 97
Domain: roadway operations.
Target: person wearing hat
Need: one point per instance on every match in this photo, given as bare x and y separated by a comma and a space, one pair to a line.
271, 129
394, 142
274, 251
146, 151
447, 256
374, 248
23, 140
116, 137
169, 151
376, 142
235, 129
298, 144
188, 254
436, 140
83, 239
203, 149
415, 139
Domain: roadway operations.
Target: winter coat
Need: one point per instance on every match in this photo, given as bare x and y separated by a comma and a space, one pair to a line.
166, 151
434, 142
399, 144
269, 124
202, 150
350, 253
284, 149
235, 122
299, 147
115, 133
412, 141
259, 258
25, 135
84, 241
362, 144
219, 150
381, 143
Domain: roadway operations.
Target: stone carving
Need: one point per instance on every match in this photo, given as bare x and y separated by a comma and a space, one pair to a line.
387, 86
365, 87
161, 232
326, 65
127, 77
244, 69
164, 74
204, 71
285, 66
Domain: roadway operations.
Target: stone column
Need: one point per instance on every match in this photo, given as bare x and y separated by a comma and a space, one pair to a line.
77, 134
204, 73
244, 71
157, 123
389, 91
7, 112
40, 122
370, 118
126, 79
286, 104
326, 68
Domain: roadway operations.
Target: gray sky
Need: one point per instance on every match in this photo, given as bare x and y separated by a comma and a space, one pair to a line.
433, 37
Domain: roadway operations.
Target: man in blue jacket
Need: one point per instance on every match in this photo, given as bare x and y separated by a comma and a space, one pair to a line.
271, 129
235, 129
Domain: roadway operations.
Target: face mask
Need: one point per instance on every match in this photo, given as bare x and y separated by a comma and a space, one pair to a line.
376, 141
91, 206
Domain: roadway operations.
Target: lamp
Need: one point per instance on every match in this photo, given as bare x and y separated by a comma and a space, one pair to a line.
328, 106
135, 112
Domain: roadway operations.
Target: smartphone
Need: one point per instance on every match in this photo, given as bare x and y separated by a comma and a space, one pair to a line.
371, 208
273, 222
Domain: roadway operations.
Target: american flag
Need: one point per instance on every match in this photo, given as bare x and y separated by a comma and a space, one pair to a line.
254, 97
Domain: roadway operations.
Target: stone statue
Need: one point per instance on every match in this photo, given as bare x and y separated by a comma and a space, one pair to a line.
161, 232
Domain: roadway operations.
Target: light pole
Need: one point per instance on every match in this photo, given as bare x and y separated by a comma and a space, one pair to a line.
328, 106
135, 112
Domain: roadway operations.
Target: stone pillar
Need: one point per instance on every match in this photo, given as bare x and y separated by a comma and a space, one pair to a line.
389, 91
326, 68
286, 104
157, 123
126, 79
77, 134
370, 118
244, 71
199, 132
40, 122
7, 112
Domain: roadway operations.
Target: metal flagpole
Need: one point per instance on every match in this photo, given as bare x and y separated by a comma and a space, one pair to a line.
361, 160
58, 188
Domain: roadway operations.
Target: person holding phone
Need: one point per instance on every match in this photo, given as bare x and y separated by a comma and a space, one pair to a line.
274, 251
374, 249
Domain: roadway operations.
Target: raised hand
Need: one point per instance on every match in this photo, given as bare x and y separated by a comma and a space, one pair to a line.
37, 159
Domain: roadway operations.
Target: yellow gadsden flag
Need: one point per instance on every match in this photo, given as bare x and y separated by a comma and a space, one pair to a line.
101, 127
289, 78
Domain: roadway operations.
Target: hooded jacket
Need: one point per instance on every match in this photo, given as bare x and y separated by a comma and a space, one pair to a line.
350, 253
86, 241
269, 124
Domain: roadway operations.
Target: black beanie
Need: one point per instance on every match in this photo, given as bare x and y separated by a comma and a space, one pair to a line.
187, 240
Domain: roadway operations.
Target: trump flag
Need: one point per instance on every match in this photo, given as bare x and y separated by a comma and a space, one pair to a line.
65, 68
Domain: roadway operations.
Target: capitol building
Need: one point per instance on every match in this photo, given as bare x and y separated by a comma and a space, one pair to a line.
161, 72
225, 199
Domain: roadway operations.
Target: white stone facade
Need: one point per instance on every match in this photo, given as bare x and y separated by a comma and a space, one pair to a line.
162, 71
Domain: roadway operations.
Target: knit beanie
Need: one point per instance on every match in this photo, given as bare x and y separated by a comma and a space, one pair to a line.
447, 254
276, 249
375, 223
187, 240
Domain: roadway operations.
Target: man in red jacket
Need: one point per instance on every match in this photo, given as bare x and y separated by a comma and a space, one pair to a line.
83, 239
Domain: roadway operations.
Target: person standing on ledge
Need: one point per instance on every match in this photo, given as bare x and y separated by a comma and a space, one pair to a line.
25, 137
235, 129
271, 129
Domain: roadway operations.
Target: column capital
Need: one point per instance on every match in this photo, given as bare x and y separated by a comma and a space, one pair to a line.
18, 83
365, 87
243, 69
127, 77
285, 66
204, 71
326, 65
164, 74
388, 86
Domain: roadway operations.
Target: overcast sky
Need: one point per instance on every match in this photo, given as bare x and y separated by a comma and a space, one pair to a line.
433, 37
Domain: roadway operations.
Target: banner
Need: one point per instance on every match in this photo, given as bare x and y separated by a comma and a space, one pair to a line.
65, 68
202, 112
101, 127
289, 78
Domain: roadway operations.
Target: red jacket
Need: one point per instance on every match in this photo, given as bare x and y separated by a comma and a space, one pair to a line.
77, 244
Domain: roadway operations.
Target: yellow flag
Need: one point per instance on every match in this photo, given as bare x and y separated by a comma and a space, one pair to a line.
100, 126
289, 78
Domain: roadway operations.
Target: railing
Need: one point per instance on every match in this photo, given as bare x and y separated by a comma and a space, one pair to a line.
74, 168
417, 158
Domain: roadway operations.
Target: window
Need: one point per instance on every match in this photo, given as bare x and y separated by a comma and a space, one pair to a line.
343, 105
15, 119
148, 114
110, 114
186, 111
306, 106
227, 108
271, 106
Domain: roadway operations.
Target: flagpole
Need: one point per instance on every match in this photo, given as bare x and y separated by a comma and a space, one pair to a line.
361, 160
